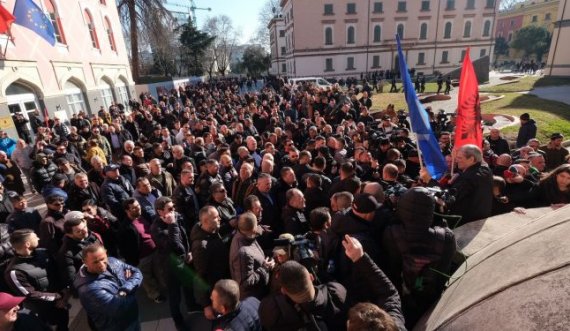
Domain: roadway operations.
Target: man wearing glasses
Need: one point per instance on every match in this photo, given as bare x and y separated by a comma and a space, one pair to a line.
51, 227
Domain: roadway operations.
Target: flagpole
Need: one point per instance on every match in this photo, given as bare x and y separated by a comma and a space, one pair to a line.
420, 157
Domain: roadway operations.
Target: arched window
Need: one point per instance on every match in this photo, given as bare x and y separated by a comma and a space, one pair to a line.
92, 31
400, 30
350, 35
110, 34
486, 28
467, 30
55, 21
328, 36
423, 31
447, 31
377, 33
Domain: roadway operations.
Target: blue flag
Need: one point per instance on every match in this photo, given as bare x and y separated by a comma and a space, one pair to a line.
29, 15
427, 143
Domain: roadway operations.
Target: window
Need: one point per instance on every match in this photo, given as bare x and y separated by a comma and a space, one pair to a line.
487, 29
423, 31
490, 4
470, 4
534, 19
377, 33
421, 58
328, 36
425, 6
462, 55
444, 57
351, 8
106, 95
329, 9
547, 17
447, 31
110, 35
401, 6
350, 63
378, 7
350, 35
400, 30
482, 53
329, 64
284, 67
123, 93
92, 31
450, 5
74, 98
376, 61
283, 50
55, 21
281, 33
467, 30
102, 2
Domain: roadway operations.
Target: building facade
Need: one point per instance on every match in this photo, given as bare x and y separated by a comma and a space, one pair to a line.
87, 68
532, 12
339, 38
558, 63
277, 46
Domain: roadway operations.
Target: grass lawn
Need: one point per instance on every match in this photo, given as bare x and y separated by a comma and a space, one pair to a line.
381, 100
526, 84
550, 116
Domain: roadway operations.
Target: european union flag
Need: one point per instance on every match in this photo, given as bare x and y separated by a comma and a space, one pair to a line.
427, 143
29, 15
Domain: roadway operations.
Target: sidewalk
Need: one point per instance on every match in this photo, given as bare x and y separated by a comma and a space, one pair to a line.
554, 93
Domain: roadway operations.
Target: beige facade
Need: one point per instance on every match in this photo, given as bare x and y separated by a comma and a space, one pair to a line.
558, 63
277, 46
339, 38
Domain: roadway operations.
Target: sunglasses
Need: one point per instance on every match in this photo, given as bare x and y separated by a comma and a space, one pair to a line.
169, 209
57, 203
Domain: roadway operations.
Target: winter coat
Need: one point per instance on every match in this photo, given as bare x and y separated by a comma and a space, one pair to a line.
295, 221
164, 182
474, 194
42, 174
244, 318
29, 218
114, 192
210, 259
70, 257
246, 266
21, 156
99, 296
527, 131
147, 208
77, 195
51, 230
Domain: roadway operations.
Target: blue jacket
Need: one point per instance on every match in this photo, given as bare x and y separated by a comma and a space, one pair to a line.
99, 296
244, 318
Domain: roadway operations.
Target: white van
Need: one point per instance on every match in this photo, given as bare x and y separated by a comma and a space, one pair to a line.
317, 81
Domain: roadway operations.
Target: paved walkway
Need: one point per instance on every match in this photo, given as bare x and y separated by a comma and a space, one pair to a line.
555, 93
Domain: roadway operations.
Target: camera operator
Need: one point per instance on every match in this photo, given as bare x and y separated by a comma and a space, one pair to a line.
303, 305
474, 186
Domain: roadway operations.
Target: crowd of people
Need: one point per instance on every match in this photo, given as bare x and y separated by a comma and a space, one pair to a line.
283, 209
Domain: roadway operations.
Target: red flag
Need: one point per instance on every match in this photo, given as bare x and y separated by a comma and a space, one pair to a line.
468, 125
46, 117
6, 19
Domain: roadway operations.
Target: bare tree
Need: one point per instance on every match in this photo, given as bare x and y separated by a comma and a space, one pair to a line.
506, 5
226, 37
269, 10
133, 15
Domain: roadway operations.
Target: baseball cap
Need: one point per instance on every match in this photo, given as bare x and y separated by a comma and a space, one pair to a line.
8, 301
365, 203
73, 216
111, 167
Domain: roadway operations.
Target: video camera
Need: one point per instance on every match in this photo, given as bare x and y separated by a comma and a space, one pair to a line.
300, 249
446, 195
442, 116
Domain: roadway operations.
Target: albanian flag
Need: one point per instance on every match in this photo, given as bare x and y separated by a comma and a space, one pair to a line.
468, 125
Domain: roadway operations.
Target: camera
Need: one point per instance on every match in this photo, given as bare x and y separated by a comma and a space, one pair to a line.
442, 116
447, 195
300, 249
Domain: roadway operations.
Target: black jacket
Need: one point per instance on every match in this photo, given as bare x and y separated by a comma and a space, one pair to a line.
41, 175
77, 195
27, 219
70, 257
114, 192
210, 259
171, 241
244, 318
187, 204
295, 221
474, 194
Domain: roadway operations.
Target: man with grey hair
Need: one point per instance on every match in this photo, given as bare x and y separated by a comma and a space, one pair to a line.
473, 186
